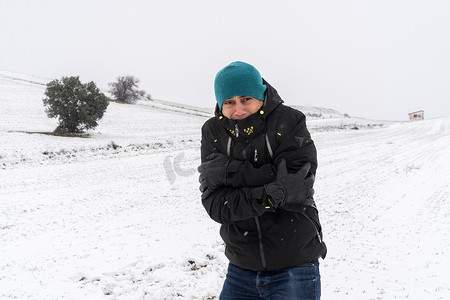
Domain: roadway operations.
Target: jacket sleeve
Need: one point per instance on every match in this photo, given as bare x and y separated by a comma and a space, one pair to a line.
244, 174
296, 147
228, 204
294, 143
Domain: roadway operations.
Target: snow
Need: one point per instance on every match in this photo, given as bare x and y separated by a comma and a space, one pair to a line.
118, 215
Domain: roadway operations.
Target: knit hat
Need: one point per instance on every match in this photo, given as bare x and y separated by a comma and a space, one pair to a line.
238, 79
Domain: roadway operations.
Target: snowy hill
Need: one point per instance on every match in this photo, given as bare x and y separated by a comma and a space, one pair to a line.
312, 113
21, 78
118, 215
177, 107
128, 126
319, 112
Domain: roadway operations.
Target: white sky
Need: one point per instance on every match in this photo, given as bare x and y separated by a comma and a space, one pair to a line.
375, 59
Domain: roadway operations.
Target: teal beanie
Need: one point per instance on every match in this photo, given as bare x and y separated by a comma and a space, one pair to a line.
238, 79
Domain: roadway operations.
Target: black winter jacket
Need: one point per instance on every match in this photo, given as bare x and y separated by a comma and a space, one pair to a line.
257, 236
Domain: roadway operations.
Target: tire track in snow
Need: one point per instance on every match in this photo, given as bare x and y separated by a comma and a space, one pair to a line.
120, 215
87, 206
370, 226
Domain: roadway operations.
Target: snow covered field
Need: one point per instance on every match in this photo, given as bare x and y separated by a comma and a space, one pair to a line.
118, 215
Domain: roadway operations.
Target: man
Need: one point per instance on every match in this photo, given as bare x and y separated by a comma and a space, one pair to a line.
257, 176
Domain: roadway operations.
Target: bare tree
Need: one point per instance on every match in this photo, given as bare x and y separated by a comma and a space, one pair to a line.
125, 89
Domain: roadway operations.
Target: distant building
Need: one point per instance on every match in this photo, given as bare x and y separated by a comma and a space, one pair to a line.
417, 115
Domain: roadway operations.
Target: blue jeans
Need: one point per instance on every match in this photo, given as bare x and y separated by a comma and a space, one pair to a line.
299, 283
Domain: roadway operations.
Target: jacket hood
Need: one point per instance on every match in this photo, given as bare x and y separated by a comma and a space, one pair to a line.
252, 123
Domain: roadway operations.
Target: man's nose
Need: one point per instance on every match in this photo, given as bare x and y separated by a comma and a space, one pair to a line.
240, 109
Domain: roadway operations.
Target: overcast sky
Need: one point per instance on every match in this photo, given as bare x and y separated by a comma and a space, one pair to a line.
376, 59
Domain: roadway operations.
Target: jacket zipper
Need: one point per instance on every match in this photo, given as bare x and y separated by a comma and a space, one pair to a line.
255, 157
314, 225
261, 247
258, 225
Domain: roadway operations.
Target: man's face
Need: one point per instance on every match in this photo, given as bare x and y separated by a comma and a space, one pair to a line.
240, 107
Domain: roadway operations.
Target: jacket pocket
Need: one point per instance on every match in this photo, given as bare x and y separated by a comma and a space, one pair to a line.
313, 221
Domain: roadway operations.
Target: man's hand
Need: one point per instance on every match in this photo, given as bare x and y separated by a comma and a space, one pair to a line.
213, 172
291, 188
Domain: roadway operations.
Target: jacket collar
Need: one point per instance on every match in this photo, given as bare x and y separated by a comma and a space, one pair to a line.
254, 123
